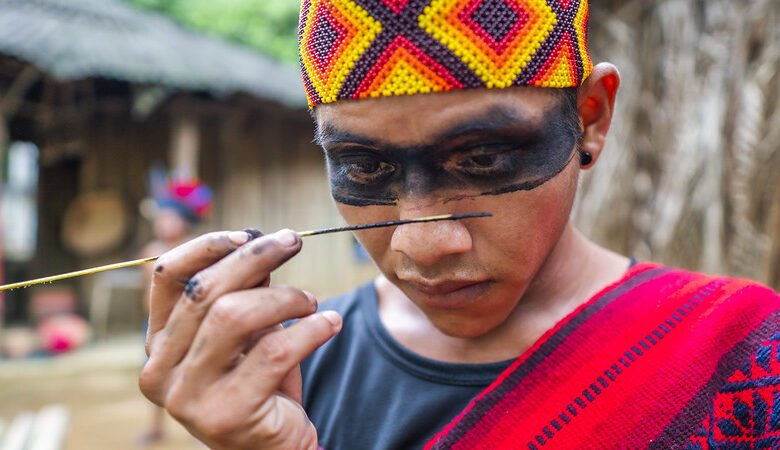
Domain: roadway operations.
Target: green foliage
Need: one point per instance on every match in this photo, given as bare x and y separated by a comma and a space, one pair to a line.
267, 25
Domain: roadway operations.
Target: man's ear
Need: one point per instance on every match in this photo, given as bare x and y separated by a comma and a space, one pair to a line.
596, 103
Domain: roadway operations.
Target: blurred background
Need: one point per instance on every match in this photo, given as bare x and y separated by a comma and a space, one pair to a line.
95, 94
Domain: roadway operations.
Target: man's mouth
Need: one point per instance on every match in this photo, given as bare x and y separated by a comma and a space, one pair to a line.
448, 293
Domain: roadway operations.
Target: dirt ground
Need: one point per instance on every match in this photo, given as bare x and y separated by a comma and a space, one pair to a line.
99, 387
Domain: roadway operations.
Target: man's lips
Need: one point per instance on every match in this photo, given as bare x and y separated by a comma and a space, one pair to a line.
440, 287
447, 294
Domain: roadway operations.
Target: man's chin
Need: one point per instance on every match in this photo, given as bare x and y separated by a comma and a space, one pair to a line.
464, 326
470, 312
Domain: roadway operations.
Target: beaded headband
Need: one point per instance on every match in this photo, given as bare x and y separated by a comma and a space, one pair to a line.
351, 49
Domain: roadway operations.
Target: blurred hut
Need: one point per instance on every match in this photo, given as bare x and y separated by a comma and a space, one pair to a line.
103, 91
691, 173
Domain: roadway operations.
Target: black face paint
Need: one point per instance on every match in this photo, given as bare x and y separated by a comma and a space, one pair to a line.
479, 160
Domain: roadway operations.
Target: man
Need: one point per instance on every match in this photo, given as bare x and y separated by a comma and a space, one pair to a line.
513, 331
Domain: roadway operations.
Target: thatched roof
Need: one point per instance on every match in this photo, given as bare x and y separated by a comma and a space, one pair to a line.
78, 39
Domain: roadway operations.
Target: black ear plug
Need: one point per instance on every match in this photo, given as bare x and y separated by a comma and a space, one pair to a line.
585, 158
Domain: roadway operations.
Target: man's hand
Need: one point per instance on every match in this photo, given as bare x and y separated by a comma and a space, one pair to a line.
219, 360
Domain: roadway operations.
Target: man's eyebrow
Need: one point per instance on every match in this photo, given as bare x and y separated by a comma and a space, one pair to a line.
331, 134
496, 118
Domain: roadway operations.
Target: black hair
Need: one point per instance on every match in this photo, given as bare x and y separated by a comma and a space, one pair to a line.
569, 111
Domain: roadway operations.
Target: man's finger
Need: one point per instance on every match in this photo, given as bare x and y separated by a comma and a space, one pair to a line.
244, 269
279, 352
174, 268
234, 318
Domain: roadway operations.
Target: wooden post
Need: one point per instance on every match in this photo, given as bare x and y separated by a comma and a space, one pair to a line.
4, 138
10, 100
185, 149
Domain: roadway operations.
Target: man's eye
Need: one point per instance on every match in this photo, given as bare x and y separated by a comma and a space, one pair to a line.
368, 172
484, 164
483, 160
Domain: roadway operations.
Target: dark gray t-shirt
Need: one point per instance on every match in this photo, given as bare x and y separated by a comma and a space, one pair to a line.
364, 391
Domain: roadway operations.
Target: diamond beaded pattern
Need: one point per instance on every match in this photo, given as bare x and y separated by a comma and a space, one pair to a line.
352, 49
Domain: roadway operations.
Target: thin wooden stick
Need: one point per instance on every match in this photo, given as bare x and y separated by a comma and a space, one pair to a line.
138, 262
394, 223
78, 273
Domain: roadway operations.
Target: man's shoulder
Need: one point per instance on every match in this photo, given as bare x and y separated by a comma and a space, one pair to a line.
702, 287
694, 299
702, 306
722, 288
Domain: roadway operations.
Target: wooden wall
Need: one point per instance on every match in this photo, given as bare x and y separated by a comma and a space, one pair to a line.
272, 177
106, 152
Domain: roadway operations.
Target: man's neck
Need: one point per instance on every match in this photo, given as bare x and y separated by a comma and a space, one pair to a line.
575, 270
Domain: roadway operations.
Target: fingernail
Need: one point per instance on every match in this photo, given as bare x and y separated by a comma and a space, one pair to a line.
238, 237
311, 297
253, 233
287, 237
333, 317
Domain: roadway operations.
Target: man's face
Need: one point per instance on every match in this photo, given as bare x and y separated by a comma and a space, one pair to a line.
508, 152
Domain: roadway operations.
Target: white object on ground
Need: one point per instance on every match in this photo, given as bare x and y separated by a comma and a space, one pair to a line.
18, 432
49, 429
44, 430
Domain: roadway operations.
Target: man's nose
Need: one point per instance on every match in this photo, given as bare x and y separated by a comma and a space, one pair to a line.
427, 243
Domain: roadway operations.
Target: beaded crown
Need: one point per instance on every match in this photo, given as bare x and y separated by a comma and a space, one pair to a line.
351, 49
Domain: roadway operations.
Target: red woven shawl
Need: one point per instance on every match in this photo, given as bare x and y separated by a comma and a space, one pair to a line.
661, 359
